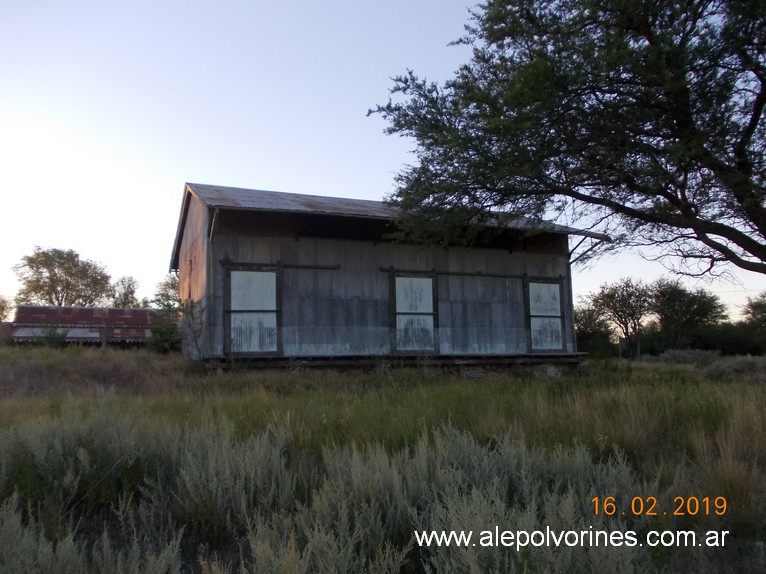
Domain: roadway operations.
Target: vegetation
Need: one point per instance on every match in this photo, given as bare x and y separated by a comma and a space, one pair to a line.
679, 311
625, 304
755, 311
662, 316
132, 461
60, 278
166, 296
594, 331
5, 307
641, 119
125, 294
166, 336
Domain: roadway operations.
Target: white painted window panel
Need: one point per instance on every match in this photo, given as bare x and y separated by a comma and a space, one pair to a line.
414, 332
253, 290
544, 299
546, 334
253, 332
414, 295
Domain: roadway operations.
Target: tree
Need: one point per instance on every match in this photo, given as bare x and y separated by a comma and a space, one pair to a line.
166, 337
625, 304
124, 293
680, 311
643, 119
755, 310
60, 278
166, 296
5, 307
594, 332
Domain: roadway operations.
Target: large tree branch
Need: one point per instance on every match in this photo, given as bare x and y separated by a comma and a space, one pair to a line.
706, 228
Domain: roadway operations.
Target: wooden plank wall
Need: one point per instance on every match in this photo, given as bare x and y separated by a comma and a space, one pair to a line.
348, 310
194, 268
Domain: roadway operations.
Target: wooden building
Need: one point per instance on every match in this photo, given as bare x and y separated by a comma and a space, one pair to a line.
285, 278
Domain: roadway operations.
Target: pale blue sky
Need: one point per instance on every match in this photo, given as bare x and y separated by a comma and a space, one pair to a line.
107, 108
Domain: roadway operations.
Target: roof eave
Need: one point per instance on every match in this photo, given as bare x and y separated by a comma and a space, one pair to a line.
544, 227
176, 255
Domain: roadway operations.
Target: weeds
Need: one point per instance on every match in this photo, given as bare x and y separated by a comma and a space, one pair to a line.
140, 463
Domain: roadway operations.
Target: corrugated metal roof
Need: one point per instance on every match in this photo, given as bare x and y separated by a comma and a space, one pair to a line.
84, 324
260, 200
112, 316
221, 197
274, 201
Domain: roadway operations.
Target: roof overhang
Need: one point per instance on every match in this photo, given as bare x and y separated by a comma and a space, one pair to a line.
240, 199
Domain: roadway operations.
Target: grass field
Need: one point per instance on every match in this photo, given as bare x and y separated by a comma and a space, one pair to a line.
140, 462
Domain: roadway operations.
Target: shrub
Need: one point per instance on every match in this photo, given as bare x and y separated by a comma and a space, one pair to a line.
752, 369
54, 337
697, 357
324, 472
730, 339
106, 494
165, 338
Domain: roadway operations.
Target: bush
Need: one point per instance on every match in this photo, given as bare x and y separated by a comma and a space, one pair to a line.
751, 369
689, 357
54, 337
165, 338
730, 339
108, 494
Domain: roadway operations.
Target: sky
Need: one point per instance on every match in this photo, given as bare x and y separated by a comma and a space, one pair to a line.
108, 108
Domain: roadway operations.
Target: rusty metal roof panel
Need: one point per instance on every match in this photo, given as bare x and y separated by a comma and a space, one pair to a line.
256, 199
78, 316
221, 197
276, 201
84, 324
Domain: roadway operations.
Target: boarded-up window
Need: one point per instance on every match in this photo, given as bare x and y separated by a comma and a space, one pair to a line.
415, 314
545, 316
253, 311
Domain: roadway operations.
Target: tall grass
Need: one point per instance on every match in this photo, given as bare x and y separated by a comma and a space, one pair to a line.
104, 493
129, 461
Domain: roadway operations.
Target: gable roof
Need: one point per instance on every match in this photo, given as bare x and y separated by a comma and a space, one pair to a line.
235, 198
276, 201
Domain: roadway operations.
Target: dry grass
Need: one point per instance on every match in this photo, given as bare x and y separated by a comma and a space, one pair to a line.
673, 427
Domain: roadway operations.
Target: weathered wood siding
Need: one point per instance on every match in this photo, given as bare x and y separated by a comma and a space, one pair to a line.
194, 269
335, 312
339, 297
482, 315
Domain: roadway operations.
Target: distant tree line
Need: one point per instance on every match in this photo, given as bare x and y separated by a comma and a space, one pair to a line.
631, 318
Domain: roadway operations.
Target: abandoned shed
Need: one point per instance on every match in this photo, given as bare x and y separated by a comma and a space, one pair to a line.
83, 325
281, 277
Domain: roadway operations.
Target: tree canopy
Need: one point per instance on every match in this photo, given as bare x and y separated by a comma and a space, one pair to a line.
5, 307
166, 296
625, 304
755, 310
124, 294
594, 331
642, 119
60, 278
680, 310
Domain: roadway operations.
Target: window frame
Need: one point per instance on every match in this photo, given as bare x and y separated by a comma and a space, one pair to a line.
395, 313
228, 312
531, 317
